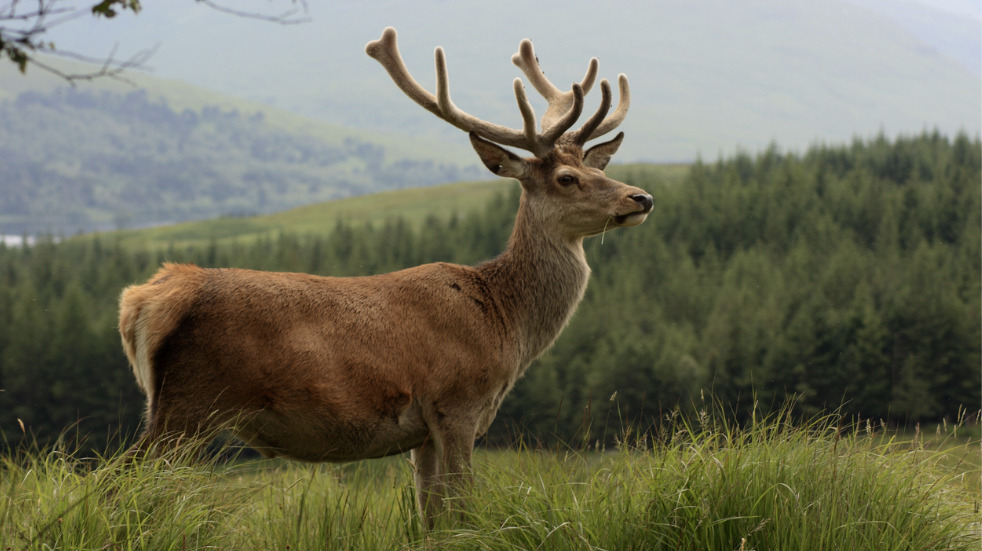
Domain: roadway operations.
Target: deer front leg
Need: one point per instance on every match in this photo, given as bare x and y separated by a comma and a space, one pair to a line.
443, 469
458, 446
457, 441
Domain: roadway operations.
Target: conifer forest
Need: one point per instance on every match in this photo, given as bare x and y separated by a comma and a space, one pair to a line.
845, 277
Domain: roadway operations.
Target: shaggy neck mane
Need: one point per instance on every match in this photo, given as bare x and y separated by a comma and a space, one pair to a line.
540, 278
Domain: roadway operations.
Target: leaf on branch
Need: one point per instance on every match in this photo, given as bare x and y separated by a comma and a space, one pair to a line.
15, 54
108, 8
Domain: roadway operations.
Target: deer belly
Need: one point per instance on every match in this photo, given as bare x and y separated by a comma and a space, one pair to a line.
329, 435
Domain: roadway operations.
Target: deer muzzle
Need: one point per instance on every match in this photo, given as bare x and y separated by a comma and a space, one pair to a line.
645, 203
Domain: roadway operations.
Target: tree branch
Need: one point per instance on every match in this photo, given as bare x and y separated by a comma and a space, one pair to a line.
285, 18
22, 30
21, 35
110, 68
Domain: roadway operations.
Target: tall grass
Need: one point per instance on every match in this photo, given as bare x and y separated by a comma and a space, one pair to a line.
703, 484
54, 500
774, 485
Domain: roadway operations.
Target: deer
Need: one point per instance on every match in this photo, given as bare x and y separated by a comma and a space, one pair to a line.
338, 369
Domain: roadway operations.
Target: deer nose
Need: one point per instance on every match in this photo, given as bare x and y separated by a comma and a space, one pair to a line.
644, 200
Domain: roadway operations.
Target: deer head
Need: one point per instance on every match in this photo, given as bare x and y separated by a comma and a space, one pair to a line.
566, 183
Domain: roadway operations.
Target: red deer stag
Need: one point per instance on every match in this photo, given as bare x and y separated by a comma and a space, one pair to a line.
341, 369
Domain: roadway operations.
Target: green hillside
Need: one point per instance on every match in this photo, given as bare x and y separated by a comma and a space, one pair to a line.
320, 218
414, 206
181, 96
114, 156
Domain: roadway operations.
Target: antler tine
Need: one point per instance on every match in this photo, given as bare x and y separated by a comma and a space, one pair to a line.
559, 102
551, 134
582, 135
528, 120
617, 117
591, 75
526, 61
385, 50
525, 139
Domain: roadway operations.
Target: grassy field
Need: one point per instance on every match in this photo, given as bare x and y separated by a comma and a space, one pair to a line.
701, 484
413, 204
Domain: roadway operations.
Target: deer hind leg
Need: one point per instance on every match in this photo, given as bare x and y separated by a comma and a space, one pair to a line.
153, 442
429, 483
157, 442
172, 427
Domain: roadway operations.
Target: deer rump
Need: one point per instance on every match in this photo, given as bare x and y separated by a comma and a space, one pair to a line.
321, 368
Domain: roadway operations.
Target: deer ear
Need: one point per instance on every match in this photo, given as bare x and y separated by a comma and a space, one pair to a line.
499, 160
599, 155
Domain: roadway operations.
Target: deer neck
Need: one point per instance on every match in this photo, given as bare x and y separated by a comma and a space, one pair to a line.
539, 280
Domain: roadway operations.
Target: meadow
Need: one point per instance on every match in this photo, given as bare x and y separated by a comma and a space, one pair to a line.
692, 483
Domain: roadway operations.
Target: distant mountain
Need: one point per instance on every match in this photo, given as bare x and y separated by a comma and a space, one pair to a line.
953, 28
114, 156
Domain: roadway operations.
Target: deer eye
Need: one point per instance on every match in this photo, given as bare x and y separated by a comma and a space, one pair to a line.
566, 180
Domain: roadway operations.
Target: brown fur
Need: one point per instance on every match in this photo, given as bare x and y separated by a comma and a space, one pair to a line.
339, 369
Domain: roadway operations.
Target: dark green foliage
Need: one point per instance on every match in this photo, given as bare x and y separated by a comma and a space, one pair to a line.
848, 276
107, 8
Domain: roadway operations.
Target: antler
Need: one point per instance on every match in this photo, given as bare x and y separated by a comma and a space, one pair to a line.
559, 101
563, 110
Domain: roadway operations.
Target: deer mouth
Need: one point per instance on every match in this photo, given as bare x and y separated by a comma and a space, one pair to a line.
631, 219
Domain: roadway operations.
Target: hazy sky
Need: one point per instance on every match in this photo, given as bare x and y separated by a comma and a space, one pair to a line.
704, 74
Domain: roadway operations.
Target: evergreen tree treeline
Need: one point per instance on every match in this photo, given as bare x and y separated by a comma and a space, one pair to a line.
849, 276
